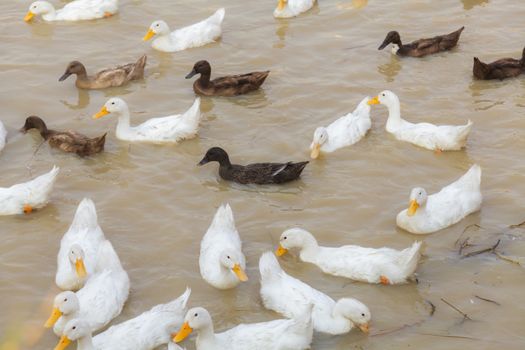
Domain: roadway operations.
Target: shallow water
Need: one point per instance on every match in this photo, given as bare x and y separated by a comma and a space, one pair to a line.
154, 204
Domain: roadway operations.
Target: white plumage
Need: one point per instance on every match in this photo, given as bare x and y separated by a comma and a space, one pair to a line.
292, 8
3, 136
78, 10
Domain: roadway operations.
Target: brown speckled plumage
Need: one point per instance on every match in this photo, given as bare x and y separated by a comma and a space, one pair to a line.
500, 69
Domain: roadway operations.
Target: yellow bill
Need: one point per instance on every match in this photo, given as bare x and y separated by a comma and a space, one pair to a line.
150, 34
241, 275
29, 16
80, 268
103, 111
374, 101
28, 209
281, 251
412, 207
315, 151
365, 328
63, 343
183, 333
55, 315
281, 5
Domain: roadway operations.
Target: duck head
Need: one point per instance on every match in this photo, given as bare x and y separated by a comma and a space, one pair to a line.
294, 238
232, 261
73, 331
113, 105
354, 310
65, 303
34, 122
320, 138
74, 67
201, 67
392, 37
38, 8
215, 154
76, 258
418, 198
195, 319
387, 98
157, 28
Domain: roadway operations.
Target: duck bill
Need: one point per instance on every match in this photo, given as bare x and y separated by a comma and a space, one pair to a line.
412, 207
374, 101
64, 76
239, 272
365, 328
63, 343
183, 333
281, 5
103, 111
191, 74
281, 251
80, 268
55, 315
203, 161
150, 34
384, 44
315, 151
29, 16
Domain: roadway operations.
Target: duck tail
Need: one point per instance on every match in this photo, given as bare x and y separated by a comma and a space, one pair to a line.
522, 61
301, 166
44, 182
260, 77
218, 16
410, 258
479, 69
85, 216
194, 113
472, 178
464, 131
175, 305
269, 266
224, 218
138, 68
101, 141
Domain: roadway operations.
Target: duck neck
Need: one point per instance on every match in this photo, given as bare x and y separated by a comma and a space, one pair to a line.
394, 116
51, 13
205, 336
204, 79
85, 343
82, 74
309, 249
123, 121
225, 161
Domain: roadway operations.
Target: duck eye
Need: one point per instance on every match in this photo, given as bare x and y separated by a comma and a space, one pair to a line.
284, 237
74, 327
363, 315
196, 315
112, 103
228, 257
65, 299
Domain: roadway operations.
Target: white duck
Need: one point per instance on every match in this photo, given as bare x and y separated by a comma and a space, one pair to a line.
27, 196
195, 35
289, 296
343, 132
79, 247
383, 265
426, 135
144, 332
221, 261
427, 214
294, 334
170, 129
78, 10
292, 8
3, 136
99, 301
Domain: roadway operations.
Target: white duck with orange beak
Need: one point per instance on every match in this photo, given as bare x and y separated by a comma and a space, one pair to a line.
221, 261
292, 8
427, 214
78, 10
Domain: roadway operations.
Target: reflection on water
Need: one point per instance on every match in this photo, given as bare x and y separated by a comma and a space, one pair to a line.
82, 101
281, 31
469, 4
391, 69
355, 4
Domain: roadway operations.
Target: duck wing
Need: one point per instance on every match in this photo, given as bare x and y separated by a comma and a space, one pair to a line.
240, 84
267, 173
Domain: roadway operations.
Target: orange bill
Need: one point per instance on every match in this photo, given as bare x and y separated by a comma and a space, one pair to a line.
29, 16
103, 111
241, 275
55, 315
412, 207
63, 343
374, 101
281, 251
365, 328
150, 34
80, 268
183, 333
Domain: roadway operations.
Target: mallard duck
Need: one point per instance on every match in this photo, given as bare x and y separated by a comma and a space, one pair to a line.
79, 248
426, 135
283, 334
383, 265
221, 261
289, 296
77, 10
427, 214
230, 85
258, 173
99, 301
421, 47
24, 198
345, 131
118, 76
3, 136
195, 35
292, 8
67, 141
500, 69
170, 129
147, 331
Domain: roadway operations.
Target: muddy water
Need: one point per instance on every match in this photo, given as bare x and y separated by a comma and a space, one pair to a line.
154, 204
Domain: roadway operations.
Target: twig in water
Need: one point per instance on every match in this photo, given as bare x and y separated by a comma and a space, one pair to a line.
465, 230
465, 316
517, 225
485, 299
432, 307
509, 259
448, 336
486, 250
463, 245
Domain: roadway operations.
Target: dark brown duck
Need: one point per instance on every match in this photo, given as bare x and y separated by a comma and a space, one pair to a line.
500, 69
106, 78
421, 47
67, 141
258, 173
230, 85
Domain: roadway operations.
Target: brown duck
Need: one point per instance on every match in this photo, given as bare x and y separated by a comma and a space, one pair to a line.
230, 85
421, 47
67, 141
258, 173
500, 69
106, 78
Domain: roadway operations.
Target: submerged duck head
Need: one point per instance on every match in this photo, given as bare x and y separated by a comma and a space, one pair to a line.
38, 8
387, 98
74, 67
73, 331
418, 198
202, 67
195, 319
65, 303
34, 122
76, 257
231, 261
157, 28
392, 37
354, 310
320, 138
215, 154
114, 105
